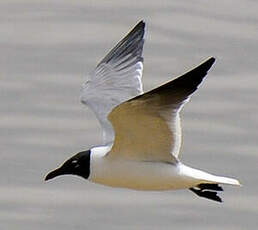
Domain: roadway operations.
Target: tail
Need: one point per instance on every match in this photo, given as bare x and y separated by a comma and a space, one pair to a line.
224, 180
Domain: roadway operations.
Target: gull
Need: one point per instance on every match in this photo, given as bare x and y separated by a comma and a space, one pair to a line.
141, 131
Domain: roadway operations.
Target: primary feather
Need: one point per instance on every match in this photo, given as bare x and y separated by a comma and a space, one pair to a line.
116, 79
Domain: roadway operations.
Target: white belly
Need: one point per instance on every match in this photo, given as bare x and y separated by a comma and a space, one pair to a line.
139, 175
146, 175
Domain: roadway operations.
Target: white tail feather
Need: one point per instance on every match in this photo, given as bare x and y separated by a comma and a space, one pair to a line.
204, 177
225, 180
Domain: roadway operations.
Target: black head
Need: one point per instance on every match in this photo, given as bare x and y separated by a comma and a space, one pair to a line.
78, 165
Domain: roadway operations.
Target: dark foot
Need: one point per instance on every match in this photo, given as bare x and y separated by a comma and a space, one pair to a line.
203, 190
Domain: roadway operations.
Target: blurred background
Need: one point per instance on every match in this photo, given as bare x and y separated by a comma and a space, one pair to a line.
46, 50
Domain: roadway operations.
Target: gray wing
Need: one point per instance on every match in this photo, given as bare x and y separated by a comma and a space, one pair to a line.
116, 79
147, 127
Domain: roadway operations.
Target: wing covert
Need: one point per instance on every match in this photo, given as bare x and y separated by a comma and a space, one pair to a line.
149, 125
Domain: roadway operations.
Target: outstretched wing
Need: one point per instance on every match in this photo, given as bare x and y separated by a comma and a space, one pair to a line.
116, 79
147, 127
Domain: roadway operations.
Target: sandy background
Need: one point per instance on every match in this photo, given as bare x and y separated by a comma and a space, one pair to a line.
46, 50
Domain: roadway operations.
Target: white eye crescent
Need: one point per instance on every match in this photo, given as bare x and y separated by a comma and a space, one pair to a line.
75, 163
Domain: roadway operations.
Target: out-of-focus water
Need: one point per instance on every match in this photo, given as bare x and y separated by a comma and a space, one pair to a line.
46, 49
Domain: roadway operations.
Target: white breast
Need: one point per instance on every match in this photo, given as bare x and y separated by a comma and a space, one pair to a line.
137, 175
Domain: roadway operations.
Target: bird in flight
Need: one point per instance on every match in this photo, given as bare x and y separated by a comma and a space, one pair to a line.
141, 131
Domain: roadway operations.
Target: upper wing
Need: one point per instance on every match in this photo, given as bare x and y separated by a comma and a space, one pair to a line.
147, 127
116, 78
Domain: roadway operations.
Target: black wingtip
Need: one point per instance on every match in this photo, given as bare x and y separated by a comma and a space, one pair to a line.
211, 60
140, 26
131, 44
141, 23
207, 64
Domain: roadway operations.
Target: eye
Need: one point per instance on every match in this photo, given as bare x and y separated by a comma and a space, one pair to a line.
75, 164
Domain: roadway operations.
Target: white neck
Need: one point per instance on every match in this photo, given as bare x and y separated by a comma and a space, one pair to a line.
100, 151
